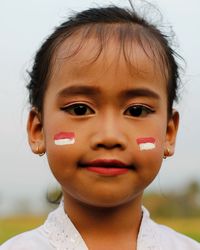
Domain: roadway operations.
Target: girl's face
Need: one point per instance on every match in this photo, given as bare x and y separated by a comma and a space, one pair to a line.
104, 127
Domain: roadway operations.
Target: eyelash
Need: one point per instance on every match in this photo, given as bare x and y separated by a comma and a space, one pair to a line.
137, 110
71, 108
140, 110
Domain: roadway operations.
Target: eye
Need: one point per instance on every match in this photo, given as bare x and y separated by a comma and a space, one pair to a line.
138, 111
78, 109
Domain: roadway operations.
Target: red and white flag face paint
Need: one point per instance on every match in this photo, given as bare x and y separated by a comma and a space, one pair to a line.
146, 143
64, 138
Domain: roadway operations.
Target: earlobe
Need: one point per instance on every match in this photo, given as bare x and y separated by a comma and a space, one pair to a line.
171, 133
35, 132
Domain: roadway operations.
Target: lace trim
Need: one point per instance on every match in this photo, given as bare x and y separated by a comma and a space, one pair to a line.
147, 239
61, 233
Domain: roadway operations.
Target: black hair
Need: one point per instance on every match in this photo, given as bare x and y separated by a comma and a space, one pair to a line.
102, 22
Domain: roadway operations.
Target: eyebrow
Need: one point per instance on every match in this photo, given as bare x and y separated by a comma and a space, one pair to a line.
139, 92
94, 91
79, 90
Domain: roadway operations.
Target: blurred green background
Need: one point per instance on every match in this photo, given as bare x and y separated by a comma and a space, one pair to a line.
179, 210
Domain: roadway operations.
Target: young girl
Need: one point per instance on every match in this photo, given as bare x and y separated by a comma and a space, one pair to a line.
102, 90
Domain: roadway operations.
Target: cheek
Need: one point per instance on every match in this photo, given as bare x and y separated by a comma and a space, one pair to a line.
149, 156
64, 138
153, 140
146, 143
61, 149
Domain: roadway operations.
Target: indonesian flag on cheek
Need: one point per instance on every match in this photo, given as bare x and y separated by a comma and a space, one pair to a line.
64, 138
146, 143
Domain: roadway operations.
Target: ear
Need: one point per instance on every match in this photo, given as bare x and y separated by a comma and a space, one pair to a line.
172, 128
35, 132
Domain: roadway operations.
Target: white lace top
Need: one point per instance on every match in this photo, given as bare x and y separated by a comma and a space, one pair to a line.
58, 232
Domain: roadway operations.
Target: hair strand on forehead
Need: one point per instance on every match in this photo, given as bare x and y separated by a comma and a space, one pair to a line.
104, 24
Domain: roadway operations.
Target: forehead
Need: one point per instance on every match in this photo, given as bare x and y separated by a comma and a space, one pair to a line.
93, 57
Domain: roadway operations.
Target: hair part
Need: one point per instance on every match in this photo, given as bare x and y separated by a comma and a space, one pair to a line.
105, 23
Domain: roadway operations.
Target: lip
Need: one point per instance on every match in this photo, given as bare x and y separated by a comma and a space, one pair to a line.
107, 167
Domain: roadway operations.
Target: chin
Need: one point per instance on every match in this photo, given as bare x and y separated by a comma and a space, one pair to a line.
110, 201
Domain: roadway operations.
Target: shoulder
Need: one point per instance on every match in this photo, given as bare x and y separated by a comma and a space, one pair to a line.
57, 232
156, 236
174, 240
33, 239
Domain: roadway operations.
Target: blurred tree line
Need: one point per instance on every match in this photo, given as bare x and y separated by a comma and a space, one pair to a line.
185, 203
176, 203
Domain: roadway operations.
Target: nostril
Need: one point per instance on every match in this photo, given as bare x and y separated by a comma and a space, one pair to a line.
109, 139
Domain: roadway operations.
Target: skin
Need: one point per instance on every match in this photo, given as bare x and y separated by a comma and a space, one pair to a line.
108, 207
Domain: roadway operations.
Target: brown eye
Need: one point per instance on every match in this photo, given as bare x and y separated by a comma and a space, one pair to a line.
138, 111
78, 109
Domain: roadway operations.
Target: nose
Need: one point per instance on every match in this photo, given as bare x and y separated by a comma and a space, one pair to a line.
109, 134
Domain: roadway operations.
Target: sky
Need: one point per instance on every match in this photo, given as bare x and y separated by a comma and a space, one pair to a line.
23, 26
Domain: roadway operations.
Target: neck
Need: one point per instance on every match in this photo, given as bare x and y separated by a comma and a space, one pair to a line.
104, 223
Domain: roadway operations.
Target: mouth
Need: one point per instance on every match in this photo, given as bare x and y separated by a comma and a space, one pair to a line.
107, 167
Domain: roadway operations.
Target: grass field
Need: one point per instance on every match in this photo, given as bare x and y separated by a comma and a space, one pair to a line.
15, 225
187, 226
